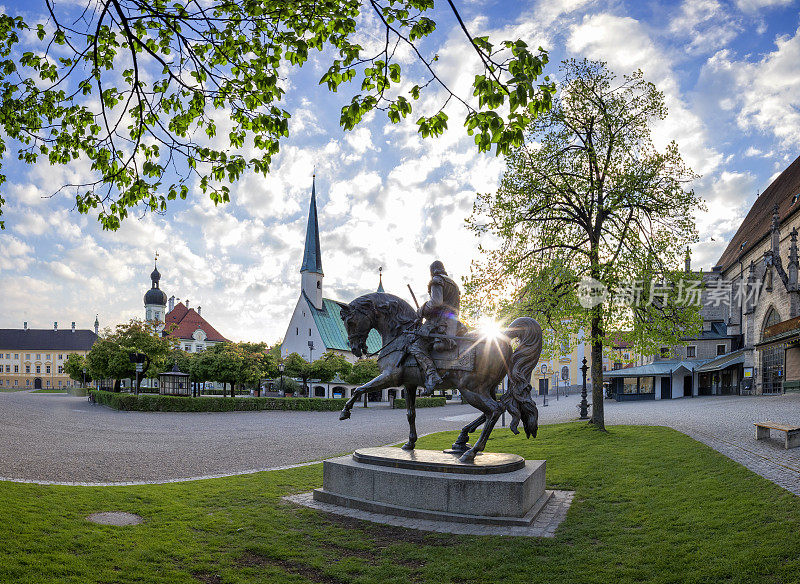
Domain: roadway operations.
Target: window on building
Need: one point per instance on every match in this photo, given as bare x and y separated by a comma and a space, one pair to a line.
8, 368
27, 368
27, 382
626, 356
297, 331
60, 369
720, 349
38, 369
664, 352
16, 382
309, 332
199, 348
187, 348
48, 357
48, 383
16, 355
691, 352
319, 285
27, 356
59, 384
47, 369
38, 356
60, 356
16, 368
8, 355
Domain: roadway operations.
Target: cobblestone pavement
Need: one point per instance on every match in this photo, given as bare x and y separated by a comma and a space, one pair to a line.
57, 438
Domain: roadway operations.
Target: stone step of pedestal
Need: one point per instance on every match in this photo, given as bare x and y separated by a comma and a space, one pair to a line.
493, 497
374, 507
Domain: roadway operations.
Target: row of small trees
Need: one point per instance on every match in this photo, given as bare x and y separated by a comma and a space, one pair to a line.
231, 364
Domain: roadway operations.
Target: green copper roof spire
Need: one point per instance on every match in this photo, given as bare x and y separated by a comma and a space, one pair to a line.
312, 256
380, 280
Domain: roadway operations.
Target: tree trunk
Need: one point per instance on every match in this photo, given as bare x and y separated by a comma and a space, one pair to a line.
233, 389
598, 416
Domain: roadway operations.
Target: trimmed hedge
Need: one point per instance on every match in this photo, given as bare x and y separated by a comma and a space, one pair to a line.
78, 391
421, 402
168, 403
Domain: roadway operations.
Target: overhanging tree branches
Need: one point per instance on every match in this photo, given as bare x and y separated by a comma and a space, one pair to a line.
138, 88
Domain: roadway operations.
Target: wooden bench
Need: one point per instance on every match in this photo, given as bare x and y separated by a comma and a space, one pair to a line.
792, 432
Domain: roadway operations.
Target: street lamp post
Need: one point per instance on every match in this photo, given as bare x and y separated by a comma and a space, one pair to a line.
310, 360
280, 368
584, 404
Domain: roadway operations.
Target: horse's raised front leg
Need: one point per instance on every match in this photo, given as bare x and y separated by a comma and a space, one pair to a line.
460, 445
411, 414
380, 382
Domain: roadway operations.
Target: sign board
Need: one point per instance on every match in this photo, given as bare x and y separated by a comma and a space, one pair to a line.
139, 367
748, 372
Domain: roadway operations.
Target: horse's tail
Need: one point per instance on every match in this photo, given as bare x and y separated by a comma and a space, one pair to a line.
519, 402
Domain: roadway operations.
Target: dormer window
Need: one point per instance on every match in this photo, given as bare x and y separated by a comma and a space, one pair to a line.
319, 285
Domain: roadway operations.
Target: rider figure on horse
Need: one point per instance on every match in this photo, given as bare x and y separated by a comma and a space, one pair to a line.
441, 318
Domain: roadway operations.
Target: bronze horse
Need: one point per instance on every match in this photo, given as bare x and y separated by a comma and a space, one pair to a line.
494, 358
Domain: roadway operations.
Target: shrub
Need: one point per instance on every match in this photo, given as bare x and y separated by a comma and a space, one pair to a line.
78, 391
422, 402
168, 403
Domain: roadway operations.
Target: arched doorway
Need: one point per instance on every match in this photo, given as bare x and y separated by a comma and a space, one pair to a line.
771, 358
37, 383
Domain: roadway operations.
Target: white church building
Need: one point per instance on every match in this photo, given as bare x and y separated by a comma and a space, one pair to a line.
316, 325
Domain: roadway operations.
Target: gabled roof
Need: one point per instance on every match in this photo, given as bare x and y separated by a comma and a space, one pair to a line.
331, 327
757, 224
312, 254
46, 339
187, 321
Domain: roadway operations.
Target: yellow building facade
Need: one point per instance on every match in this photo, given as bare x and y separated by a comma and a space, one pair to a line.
35, 358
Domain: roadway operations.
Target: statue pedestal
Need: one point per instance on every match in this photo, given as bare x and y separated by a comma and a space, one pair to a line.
497, 489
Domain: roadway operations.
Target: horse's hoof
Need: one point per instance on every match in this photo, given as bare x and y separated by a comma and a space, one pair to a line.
408, 446
459, 448
468, 456
344, 415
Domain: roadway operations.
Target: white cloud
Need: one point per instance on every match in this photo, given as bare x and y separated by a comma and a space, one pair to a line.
765, 92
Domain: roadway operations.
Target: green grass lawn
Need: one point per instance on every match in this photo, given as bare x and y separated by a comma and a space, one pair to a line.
652, 505
50, 390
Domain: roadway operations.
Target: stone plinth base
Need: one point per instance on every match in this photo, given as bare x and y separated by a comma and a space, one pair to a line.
497, 489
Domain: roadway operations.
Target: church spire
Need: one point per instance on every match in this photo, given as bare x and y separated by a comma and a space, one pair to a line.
380, 280
312, 256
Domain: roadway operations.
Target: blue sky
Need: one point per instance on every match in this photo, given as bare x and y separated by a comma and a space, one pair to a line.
730, 71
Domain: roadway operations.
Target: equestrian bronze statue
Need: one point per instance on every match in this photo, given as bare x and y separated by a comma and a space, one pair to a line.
472, 363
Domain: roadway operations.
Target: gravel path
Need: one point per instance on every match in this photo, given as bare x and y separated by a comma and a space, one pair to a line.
57, 438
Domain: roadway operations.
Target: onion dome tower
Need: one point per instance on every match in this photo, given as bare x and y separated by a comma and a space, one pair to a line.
155, 300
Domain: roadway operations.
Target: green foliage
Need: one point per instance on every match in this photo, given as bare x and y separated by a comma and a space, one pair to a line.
74, 366
287, 385
590, 197
295, 366
329, 366
168, 403
155, 76
420, 402
363, 370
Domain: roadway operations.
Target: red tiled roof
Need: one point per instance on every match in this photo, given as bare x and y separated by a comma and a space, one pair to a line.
758, 222
186, 320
